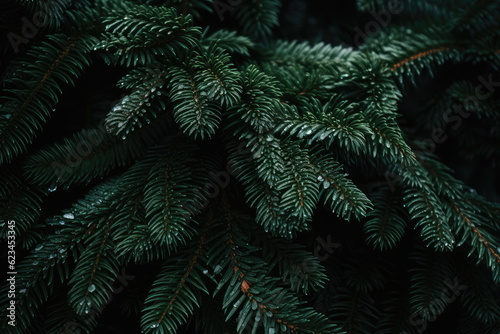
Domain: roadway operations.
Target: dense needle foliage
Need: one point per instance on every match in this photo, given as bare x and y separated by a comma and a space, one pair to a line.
251, 166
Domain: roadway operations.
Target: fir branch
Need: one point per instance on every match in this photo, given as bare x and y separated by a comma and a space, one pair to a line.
418, 55
481, 241
427, 209
132, 110
337, 191
175, 293
32, 98
145, 32
385, 226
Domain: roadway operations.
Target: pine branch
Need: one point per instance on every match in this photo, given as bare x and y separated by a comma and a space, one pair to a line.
336, 122
89, 154
175, 294
429, 279
425, 207
296, 266
21, 203
170, 196
482, 243
252, 294
140, 35
480, 298
33, 97
336, 190
228, 40
216, 76
133, 111
96, 269
385, 226
258, 17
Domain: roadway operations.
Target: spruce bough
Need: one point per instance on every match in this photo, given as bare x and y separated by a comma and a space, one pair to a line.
249, 182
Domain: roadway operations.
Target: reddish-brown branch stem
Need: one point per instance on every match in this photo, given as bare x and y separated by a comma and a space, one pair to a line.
419, 55
483, 240
245, 285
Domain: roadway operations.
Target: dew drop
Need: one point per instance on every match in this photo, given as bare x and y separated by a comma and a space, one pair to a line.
38, 247
91, 288
320, 178
62, 250
22, 291
35, 263
51, 256
269, 314
87, 311
53, 188
326, 184
205, 271
69, 216
155, 325
271, 330
62, 222
218, 269
323, 135
254, 306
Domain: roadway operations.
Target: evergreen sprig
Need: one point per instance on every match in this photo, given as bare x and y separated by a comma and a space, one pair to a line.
252, 184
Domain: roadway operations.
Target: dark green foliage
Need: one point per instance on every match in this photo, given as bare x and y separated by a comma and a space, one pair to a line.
386, 225
229, 40
258, 17
33, 95
22, 201
177, 284
251, 184
337, 190
139, 34
131, 111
